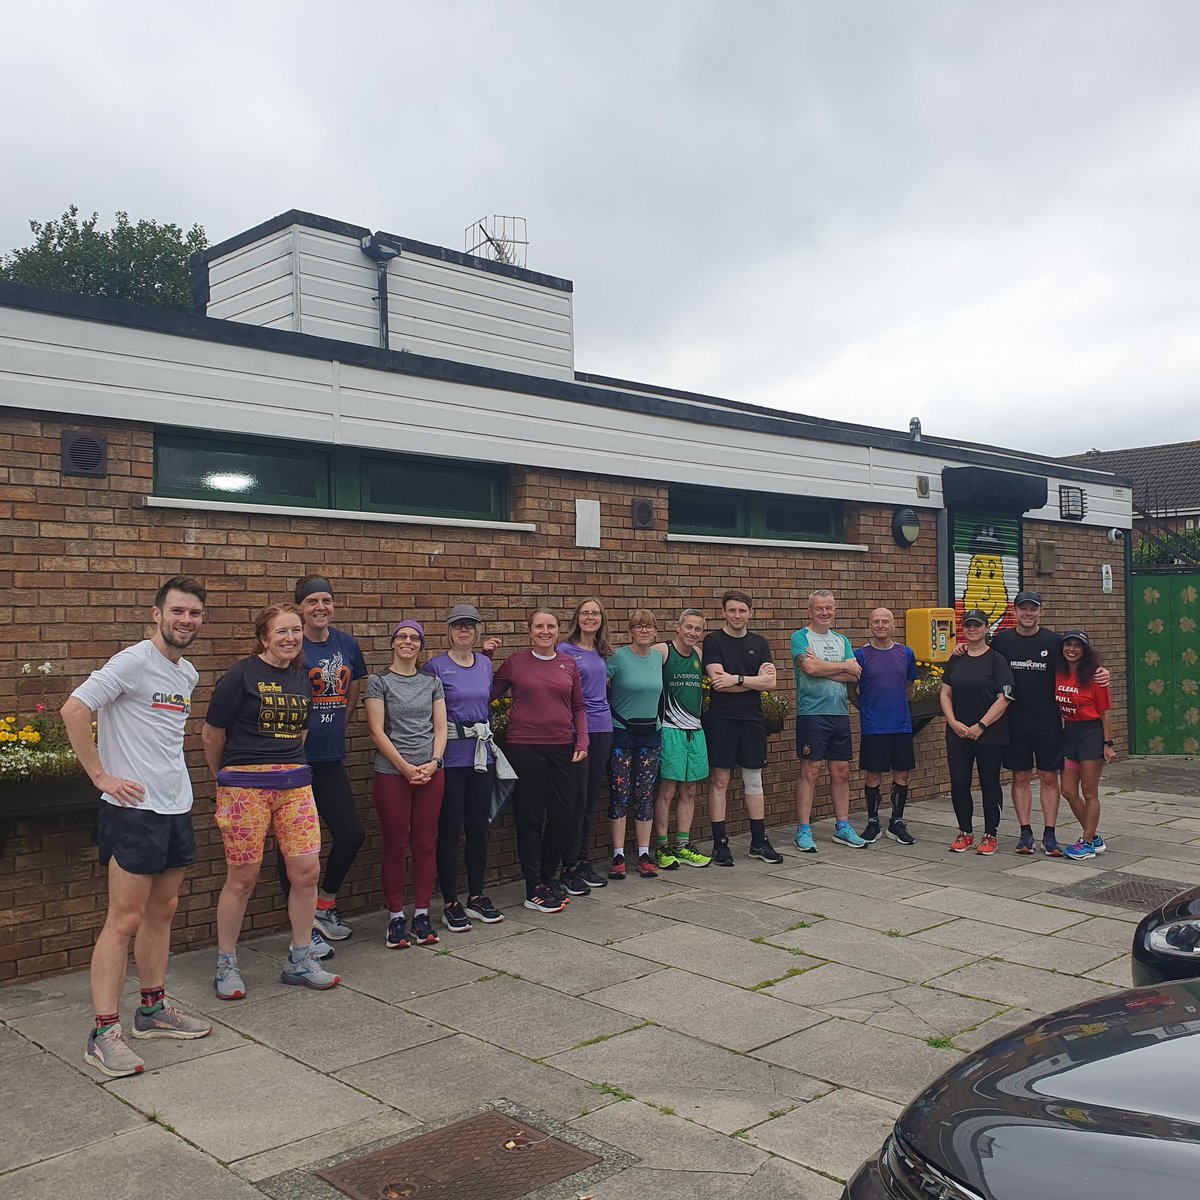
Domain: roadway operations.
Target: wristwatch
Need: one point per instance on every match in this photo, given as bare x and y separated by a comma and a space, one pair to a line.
741, 680
441, 762
1108, 742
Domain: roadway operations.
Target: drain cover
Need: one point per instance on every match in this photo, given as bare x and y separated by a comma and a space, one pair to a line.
1140, 894
489, 1157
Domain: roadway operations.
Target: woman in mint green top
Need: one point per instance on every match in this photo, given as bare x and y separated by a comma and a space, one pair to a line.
635, 694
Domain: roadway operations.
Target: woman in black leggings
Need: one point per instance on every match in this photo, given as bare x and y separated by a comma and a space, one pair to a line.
976, 692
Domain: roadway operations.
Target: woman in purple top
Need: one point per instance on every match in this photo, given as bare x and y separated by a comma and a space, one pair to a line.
588, 644
470, 769
547, 732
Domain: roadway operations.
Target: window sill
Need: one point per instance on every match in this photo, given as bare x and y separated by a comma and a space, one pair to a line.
330, 514
775, 542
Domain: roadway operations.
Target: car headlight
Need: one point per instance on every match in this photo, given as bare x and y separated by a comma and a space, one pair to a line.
1179, 939
913, 1177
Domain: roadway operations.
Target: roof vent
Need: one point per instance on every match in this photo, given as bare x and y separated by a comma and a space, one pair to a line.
84, 454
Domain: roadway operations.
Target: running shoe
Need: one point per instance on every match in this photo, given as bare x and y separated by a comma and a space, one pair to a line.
1098, 844
766, 852
318, 945
397, 934
987, 844
574, 884
871, 832
540, 900
455, 919
111, 1053
480, 908
803, 841
590, 877
557, 891
1025, 842
617, 870
722, 855
685, 853
665, 859
962, 843
228, 983
646, 867
1081, 849
898, 832
168, 1022
308, 973
422, 930
328, 922
1051, 847
843, 834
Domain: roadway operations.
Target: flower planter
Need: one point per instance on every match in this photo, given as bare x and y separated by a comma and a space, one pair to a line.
22, 798
773, 725
924, 711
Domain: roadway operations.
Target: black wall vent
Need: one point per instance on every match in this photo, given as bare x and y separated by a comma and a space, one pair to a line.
641, 514
84, 454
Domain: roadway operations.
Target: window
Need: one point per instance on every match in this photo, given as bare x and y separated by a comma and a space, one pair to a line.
301, 475
716, 512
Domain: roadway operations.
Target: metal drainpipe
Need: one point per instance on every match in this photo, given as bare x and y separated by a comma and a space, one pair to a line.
380, 252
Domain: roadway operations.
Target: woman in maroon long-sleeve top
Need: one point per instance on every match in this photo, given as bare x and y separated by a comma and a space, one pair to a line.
547, 732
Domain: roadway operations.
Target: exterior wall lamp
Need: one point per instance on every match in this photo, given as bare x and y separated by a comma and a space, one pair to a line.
906, 527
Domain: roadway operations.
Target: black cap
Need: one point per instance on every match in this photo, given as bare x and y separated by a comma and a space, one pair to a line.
1077, 635
1028, 598
975, 616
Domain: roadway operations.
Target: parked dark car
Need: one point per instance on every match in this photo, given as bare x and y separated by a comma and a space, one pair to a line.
1096, 1102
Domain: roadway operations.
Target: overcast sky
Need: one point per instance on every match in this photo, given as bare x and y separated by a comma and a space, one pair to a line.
981, 214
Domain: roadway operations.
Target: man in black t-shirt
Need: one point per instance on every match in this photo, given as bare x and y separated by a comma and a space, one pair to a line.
740, 667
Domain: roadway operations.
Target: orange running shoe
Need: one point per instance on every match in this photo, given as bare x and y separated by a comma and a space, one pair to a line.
987, 844
962, 843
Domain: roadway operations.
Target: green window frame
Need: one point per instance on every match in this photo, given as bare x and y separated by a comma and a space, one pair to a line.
270, 471
753, 516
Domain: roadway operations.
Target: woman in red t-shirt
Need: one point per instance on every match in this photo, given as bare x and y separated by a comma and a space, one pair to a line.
1087, 738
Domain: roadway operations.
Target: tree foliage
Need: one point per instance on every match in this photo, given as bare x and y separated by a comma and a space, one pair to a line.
145, 262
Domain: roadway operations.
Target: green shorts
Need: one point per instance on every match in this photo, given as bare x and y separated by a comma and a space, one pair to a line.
684, 756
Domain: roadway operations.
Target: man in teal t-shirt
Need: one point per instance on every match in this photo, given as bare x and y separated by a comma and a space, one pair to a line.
824, 662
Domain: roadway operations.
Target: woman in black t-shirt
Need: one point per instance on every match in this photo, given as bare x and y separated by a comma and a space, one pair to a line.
254, 743
976, 692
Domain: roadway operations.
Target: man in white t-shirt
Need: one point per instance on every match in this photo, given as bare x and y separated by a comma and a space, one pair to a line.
141, 699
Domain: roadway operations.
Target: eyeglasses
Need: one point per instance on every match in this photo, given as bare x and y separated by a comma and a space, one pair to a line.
407, 637
462, 625
643, 628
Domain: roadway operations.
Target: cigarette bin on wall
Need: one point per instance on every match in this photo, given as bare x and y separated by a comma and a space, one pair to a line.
929, 633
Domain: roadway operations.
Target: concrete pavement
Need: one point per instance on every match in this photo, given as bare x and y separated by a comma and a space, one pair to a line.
747, 1033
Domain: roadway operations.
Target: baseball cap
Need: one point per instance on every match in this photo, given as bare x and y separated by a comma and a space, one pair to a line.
1028, 598
1078, 635
975, 616
464, 612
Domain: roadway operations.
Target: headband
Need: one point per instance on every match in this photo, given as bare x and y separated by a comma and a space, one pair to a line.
315, 584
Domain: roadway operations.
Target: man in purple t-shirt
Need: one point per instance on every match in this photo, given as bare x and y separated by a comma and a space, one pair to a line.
881, 697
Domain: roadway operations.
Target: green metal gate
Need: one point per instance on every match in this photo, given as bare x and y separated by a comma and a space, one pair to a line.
1166, 663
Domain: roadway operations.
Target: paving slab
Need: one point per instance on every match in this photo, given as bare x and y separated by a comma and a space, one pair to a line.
13, 1045
749, 879
858, 882
1056, 872
1118, 972
833, 1134
190, 977
521, 1016
779, 1179
973, 876
707, 1009
1057, 953
870, 912
998, 1026
1017, 914
1185, 874
1087, 908
209, 1101
919, 1012
398, 976
1026, 987
607, 924
831, 983
644, 1183
330, 1030
979, 938
729, 914
147, 1161
669, 1143
852, 946
714, 1087
714, 954
1101, 931
60, 1110
469, 1072
558, 961
47, 995
867, 1059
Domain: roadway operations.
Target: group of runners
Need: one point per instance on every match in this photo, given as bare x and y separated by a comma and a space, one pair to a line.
657, 718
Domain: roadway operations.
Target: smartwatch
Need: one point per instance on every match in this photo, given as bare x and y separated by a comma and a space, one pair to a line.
741, 680
441, 762
1108, 741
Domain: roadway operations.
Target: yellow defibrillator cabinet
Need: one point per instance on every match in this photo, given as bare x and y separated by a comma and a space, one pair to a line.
929, 633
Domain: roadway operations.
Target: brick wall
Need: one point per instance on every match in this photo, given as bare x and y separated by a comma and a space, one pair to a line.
80, 564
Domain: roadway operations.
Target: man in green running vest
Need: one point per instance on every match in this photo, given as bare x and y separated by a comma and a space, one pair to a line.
683, 764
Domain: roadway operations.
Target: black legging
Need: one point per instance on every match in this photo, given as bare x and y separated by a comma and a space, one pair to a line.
587, 776
465, 804
542, 808
339, 814
963, 754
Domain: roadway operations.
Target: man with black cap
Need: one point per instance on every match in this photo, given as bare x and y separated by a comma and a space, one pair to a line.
1035, 725
337, 671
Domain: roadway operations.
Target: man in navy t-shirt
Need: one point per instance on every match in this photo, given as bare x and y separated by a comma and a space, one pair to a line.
881, 695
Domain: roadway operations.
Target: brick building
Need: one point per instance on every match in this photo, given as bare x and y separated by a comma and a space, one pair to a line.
411, 425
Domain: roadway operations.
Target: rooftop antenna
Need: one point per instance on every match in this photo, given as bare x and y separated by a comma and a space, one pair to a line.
498, 238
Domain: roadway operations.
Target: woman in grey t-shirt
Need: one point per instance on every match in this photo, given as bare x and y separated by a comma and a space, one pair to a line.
406, 714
